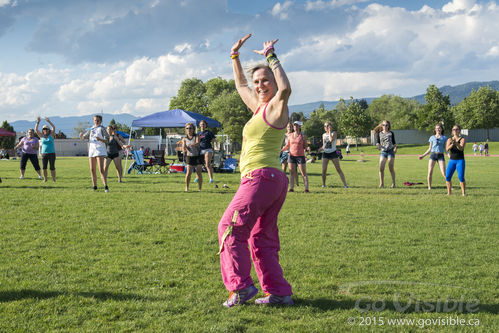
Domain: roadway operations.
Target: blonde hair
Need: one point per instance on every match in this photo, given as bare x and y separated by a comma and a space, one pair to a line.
379, 128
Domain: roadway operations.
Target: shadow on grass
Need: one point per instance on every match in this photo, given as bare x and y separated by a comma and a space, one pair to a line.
36, 187
422, 306
16, 295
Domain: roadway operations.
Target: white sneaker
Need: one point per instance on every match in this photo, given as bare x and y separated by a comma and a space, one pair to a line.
22, 177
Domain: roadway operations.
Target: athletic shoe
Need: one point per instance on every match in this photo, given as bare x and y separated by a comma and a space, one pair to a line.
106, 189
211, 181
307, 191
345, 186
238, 297
274, 299
291, 190
40, 177
195, 180
22, 177
323, 186
95, 188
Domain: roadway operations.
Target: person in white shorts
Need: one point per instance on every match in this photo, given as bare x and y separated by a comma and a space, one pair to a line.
98, 138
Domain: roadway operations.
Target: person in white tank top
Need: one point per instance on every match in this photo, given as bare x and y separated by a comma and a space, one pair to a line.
329, 154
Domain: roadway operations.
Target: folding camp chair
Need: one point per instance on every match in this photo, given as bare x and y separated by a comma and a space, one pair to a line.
159, 163
217, 161
139, 166
229, 165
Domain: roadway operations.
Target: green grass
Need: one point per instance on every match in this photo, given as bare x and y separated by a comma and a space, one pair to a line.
143, 257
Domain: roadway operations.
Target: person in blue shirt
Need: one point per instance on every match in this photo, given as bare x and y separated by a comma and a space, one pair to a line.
47, 136
436, 150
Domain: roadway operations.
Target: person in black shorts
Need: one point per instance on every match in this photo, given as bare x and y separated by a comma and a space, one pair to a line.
329, 154
115, 145
297, 144
206, 137
190, 147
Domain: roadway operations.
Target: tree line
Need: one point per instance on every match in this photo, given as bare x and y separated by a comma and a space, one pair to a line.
218, 98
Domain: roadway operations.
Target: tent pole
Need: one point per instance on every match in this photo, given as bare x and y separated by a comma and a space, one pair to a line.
223, 143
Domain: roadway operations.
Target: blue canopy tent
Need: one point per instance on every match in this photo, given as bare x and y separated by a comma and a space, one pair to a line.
172, 118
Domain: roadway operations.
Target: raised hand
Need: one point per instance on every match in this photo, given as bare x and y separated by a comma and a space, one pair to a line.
237, 45
266, 45
38, 119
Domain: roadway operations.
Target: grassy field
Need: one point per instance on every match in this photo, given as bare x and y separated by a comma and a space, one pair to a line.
143, 257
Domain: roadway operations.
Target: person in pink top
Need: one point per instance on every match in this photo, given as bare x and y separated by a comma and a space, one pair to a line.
297, 144
251, 218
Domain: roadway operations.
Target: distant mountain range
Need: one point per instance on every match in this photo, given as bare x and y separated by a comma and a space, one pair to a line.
456, 94
67, 124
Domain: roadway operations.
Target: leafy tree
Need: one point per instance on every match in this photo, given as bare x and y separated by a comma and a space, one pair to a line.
81, 126
479, 110
314, 126
7, 142
296, 116
401, 112
191, 97
215, 87
436, 110
355, 120
151, 131
60, 135
229, 109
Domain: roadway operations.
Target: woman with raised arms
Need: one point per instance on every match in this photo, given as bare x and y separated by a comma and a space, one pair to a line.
252, 214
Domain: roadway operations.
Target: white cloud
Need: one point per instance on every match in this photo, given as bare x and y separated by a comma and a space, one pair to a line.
281, 11
493, 52
459, 5
4, 3
139, 87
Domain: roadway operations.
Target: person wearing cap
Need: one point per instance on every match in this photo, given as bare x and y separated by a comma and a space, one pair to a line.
297, 143
47, 136
251, 218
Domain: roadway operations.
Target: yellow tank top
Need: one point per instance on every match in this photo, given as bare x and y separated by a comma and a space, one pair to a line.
261, 144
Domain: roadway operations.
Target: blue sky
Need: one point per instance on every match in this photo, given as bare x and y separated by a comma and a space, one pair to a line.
70, 57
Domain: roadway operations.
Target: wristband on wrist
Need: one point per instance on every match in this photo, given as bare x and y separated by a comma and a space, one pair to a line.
273, 61
234, 54
268, 50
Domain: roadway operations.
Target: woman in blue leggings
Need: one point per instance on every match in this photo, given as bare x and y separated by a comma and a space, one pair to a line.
455, 145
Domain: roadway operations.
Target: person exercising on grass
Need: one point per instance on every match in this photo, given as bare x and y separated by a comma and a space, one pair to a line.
251, 217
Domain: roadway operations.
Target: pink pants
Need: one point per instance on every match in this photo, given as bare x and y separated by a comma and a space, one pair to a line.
252, 218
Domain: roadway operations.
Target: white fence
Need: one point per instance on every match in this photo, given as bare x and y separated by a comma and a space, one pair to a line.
76, 147
420, 137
